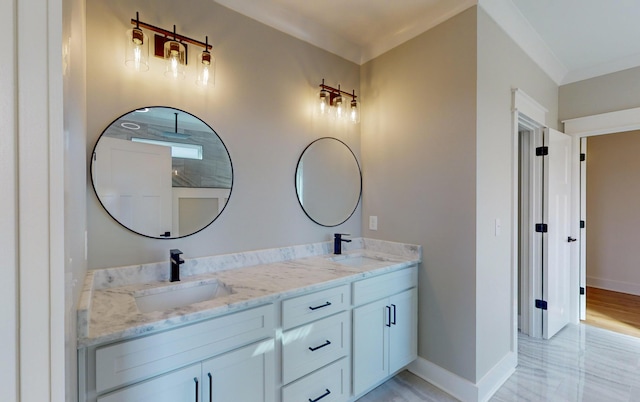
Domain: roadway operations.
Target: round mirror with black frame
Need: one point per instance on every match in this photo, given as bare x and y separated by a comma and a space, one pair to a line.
161, 172
328, 181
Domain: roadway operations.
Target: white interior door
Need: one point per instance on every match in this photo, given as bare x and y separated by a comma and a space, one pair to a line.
556, 267
583, 232
133, 182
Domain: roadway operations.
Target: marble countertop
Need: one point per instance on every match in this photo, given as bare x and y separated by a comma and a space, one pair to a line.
108, 312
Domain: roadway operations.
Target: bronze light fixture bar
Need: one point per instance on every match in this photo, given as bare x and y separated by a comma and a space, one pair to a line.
331, 103
335, 92
169, 34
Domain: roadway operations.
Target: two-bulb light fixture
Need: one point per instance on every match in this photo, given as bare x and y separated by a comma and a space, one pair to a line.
332, 103
171, 47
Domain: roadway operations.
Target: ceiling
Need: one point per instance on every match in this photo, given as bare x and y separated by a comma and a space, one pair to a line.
571, 40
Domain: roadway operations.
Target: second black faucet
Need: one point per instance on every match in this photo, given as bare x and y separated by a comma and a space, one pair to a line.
337, 242
174, 257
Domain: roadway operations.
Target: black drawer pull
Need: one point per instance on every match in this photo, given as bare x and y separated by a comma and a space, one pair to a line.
321, 396
327, 343
394, 314
195, 379
210, 387
327, 304
388, 323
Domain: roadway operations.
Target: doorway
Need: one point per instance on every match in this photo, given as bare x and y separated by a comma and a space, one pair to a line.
544, 231
610, 192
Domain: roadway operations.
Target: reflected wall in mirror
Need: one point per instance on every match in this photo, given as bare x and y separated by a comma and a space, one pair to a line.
161, 172
328, 181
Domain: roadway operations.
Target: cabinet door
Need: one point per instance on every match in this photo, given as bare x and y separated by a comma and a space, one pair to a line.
246, 374
370, 345
178, 386
403, 333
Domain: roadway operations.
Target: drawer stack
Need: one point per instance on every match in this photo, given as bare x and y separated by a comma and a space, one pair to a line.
316, 346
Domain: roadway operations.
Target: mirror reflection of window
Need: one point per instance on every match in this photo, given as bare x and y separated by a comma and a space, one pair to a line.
174, 198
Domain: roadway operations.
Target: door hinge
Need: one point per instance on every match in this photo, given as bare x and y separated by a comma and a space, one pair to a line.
583, 157
541, 228
542, 151
541, 304
582, 224
581, 290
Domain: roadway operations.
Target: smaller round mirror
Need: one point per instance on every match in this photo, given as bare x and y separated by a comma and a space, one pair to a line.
161, 172
328, 181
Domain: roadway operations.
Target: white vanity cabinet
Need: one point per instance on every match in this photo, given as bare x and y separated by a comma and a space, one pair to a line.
245, 374
175, 365
316, 346
384, 327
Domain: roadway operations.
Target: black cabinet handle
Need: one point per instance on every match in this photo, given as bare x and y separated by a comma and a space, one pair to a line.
388, 324
321, 396
327, 304
195, 379
570, 239
394, 314
210, 387
327, 343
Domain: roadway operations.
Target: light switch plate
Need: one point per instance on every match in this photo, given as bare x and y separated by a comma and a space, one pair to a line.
373, 223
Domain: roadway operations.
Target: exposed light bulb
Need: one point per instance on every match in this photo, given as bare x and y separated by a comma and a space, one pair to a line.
339, 105
323, 102
354, 110
206, 68
137, 56
175, 55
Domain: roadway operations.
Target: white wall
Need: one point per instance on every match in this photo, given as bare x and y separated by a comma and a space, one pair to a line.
8, 207
613, 190
75, 216
419, 160
266, 83
502, 65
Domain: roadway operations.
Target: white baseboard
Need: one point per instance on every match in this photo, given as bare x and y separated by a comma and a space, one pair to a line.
615, 286
497, 376
462, 388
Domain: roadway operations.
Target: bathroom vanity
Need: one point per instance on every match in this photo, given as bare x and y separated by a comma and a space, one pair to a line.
290, 324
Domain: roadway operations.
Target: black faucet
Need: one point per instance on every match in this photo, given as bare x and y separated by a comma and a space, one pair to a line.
337, 242
175, 264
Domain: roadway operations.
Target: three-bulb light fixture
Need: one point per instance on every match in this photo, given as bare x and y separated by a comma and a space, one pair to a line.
331, 103
172, 47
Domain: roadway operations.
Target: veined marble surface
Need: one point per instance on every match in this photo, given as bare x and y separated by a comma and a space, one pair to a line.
107, 310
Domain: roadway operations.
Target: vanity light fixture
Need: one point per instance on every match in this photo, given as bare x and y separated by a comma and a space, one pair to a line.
137, 51
175, 57
331, 102
170, 46
206, 67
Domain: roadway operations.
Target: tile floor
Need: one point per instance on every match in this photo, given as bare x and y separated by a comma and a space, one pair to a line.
580, 363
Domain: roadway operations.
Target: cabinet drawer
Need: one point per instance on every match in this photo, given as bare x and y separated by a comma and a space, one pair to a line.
376, 288
307, 348
125, 362
179, 385
332, 381
311, 307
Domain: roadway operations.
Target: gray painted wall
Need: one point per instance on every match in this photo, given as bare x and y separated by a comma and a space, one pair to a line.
261, 107
502, 65
607, 93
613, 190
419, 160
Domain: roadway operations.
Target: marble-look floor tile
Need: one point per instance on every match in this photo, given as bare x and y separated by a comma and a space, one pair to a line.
581, 363
406, 387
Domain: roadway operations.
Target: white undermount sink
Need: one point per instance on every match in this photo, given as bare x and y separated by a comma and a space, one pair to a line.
181, 295
353, 260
